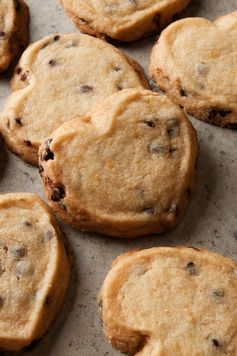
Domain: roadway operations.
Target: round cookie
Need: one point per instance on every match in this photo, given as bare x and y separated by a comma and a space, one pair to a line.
14, 30
34, 269
59, 78
171, 301
124, 20
201, 78
126, 169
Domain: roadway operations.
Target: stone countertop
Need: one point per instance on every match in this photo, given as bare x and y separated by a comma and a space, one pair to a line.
210, 222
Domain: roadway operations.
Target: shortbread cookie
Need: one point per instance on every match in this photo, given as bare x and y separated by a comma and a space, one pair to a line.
61, 77
171, 301
34, 269
124, 20
14, 30
194, 62
126, 169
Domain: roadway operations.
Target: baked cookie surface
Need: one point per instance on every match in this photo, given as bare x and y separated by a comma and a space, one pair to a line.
194, 62
14, 30
34, 269
59, 78
171, 301
124, 20
126, 169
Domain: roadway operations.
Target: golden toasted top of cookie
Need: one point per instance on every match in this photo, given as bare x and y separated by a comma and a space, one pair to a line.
202, 55
130, 161
59, 78
30, 250
7, 27
173, 301
124, 20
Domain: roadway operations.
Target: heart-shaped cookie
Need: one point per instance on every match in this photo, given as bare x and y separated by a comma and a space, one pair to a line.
14, 30
124, 20
59, 78
34, 269
125, 169
171, 302
194, 62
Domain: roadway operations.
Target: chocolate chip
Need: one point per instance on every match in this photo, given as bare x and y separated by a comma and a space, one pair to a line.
18, 70
183, 92
150, 123
120, 86
71, 43
1, 301
56, 38
18, 252
48, 235
215, 343
41, 169
24, 269
86, 88
23, 77
215, 113
18, 121
27, 223
218, 293
172, 150
83, 21
8, 123
117, 68
149, 210
2, 34
52, 63
191, 268
101, 304
157, 148
47, 154
173, 132
28, 143
154, 86
58, 193
202, 68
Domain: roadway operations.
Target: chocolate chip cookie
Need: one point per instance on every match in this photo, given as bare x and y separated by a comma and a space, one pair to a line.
171, 301
125, 169
59, 78
124, 20
194, 62
34, 269
14, 30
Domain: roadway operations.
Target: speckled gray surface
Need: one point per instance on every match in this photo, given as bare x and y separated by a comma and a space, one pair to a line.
210, 221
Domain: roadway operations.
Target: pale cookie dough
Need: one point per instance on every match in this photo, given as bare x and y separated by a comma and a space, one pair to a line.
171, 302
14, 30
126, 169
59, 78
124, 20
34, 269
194, 62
